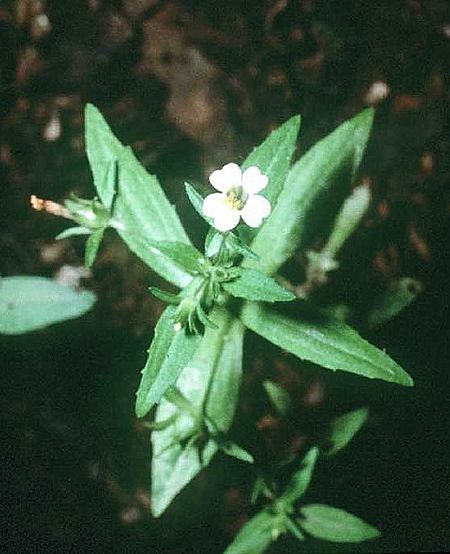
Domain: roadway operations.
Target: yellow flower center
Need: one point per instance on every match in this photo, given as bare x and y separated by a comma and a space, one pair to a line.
236, 198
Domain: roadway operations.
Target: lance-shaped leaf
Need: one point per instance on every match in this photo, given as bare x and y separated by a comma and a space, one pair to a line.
397, 297
255, 536
251, 284
301, 479
168, 354
335, 525
140, 207
344, 428
312, 335
184, 255
279, 398
30, 303
273, 158
211, 383
308, 186
92, 246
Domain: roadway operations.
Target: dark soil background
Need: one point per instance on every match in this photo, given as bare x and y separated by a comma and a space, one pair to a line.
192, 85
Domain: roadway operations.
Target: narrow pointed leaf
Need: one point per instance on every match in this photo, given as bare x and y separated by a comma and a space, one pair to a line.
255, 536
196, 200
301, 479
141, 207
73, 232
254, 285
168, 354
344, 428
349, 217
31, 303
312, 335
279, 397
396, 298
211, 381
165, 296
184, 255
92, 246
235, 451
335, 525
311, 180
273, 158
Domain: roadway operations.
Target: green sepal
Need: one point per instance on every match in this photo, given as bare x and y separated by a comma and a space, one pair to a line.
73, 232
251, 284
89, 213
92, 246
165, 296
203, 318
294, 529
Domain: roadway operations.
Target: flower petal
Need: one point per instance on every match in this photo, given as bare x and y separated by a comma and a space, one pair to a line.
255, 210
213, 204
229, 176
226, 219
253, 180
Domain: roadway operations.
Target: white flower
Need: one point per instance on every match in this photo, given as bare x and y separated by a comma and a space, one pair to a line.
238, 197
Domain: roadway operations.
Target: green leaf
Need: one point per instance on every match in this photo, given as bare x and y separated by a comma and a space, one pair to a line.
92, 246
307, 190
344, 428
165, 296
168, 354
335, 525
279, 397
301, 479
255, 536
349, 217
294, 529
273, 157
184, 255
196, 200
390, 303
320, 339
30, 303
141, 207
254, 285
235, 451
72, 232
239, 246
210, 382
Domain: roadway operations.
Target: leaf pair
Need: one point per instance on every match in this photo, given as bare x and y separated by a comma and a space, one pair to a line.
318, 520
210, 381
140, 207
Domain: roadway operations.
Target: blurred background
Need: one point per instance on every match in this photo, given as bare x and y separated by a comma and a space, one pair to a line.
191, 85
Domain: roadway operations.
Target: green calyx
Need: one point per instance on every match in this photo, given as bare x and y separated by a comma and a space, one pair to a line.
90, 214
